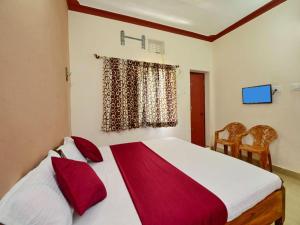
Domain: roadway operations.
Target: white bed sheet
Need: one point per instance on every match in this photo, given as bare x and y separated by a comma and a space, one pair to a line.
238, 184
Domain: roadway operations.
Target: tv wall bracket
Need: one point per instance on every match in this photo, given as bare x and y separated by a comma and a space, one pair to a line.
142, 39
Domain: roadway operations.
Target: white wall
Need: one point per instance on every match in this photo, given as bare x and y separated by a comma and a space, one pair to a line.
88, 35
266, 50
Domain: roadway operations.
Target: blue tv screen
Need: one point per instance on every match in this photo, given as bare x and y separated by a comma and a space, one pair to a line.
258, 94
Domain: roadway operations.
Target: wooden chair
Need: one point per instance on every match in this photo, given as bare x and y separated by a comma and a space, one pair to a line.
263, 135
233, 130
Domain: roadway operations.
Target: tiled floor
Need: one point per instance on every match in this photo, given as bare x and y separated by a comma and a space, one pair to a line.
292, 187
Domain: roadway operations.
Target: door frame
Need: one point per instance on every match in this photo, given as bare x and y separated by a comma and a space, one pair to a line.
206, 105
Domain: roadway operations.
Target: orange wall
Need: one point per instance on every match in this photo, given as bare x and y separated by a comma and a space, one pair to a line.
34, 96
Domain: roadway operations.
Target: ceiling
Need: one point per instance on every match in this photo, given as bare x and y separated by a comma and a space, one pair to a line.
207, 17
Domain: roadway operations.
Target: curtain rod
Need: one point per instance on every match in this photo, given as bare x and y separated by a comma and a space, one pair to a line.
101, 57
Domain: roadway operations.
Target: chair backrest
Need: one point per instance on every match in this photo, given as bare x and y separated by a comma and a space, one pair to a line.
263, 135
234, 129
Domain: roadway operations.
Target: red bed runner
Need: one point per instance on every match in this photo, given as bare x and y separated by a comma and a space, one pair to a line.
161, 193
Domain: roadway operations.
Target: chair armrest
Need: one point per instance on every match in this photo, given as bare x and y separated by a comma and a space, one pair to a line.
243, 134
239, 137
217, 133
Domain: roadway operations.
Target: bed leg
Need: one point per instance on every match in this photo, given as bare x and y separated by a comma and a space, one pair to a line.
279, 221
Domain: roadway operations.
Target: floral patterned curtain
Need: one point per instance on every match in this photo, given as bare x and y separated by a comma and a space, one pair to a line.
138, 94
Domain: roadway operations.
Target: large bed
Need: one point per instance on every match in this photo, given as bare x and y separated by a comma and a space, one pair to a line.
251, 195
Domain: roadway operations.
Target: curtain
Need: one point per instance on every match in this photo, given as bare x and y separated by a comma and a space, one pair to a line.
138, 94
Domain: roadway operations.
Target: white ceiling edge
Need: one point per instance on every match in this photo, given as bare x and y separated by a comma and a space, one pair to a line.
207, 17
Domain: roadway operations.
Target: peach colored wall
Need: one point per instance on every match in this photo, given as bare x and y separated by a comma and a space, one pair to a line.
34, 108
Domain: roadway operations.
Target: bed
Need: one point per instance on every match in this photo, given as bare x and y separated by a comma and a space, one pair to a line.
251, 195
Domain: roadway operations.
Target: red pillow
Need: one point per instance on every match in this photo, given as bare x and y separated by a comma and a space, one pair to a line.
79, 183
88, 149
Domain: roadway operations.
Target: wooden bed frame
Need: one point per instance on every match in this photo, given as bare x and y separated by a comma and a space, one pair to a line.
266, 212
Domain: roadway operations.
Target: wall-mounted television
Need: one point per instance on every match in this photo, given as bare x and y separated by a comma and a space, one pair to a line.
257, 94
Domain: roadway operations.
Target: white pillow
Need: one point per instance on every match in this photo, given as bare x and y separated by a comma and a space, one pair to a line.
71, 151
36, 205
68, 140
36, 198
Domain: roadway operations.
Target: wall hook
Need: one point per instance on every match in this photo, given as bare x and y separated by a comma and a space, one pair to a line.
97, 56
67, 74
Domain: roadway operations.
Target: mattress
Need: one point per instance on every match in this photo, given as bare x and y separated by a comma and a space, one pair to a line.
238, 184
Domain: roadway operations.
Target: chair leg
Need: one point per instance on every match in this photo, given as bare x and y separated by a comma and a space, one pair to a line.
215, 146
270, 162
239, 153
249, 157
280, 221
263, 160
226, 149
234, 151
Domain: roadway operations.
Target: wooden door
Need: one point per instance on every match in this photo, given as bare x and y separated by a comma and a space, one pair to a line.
197, 108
